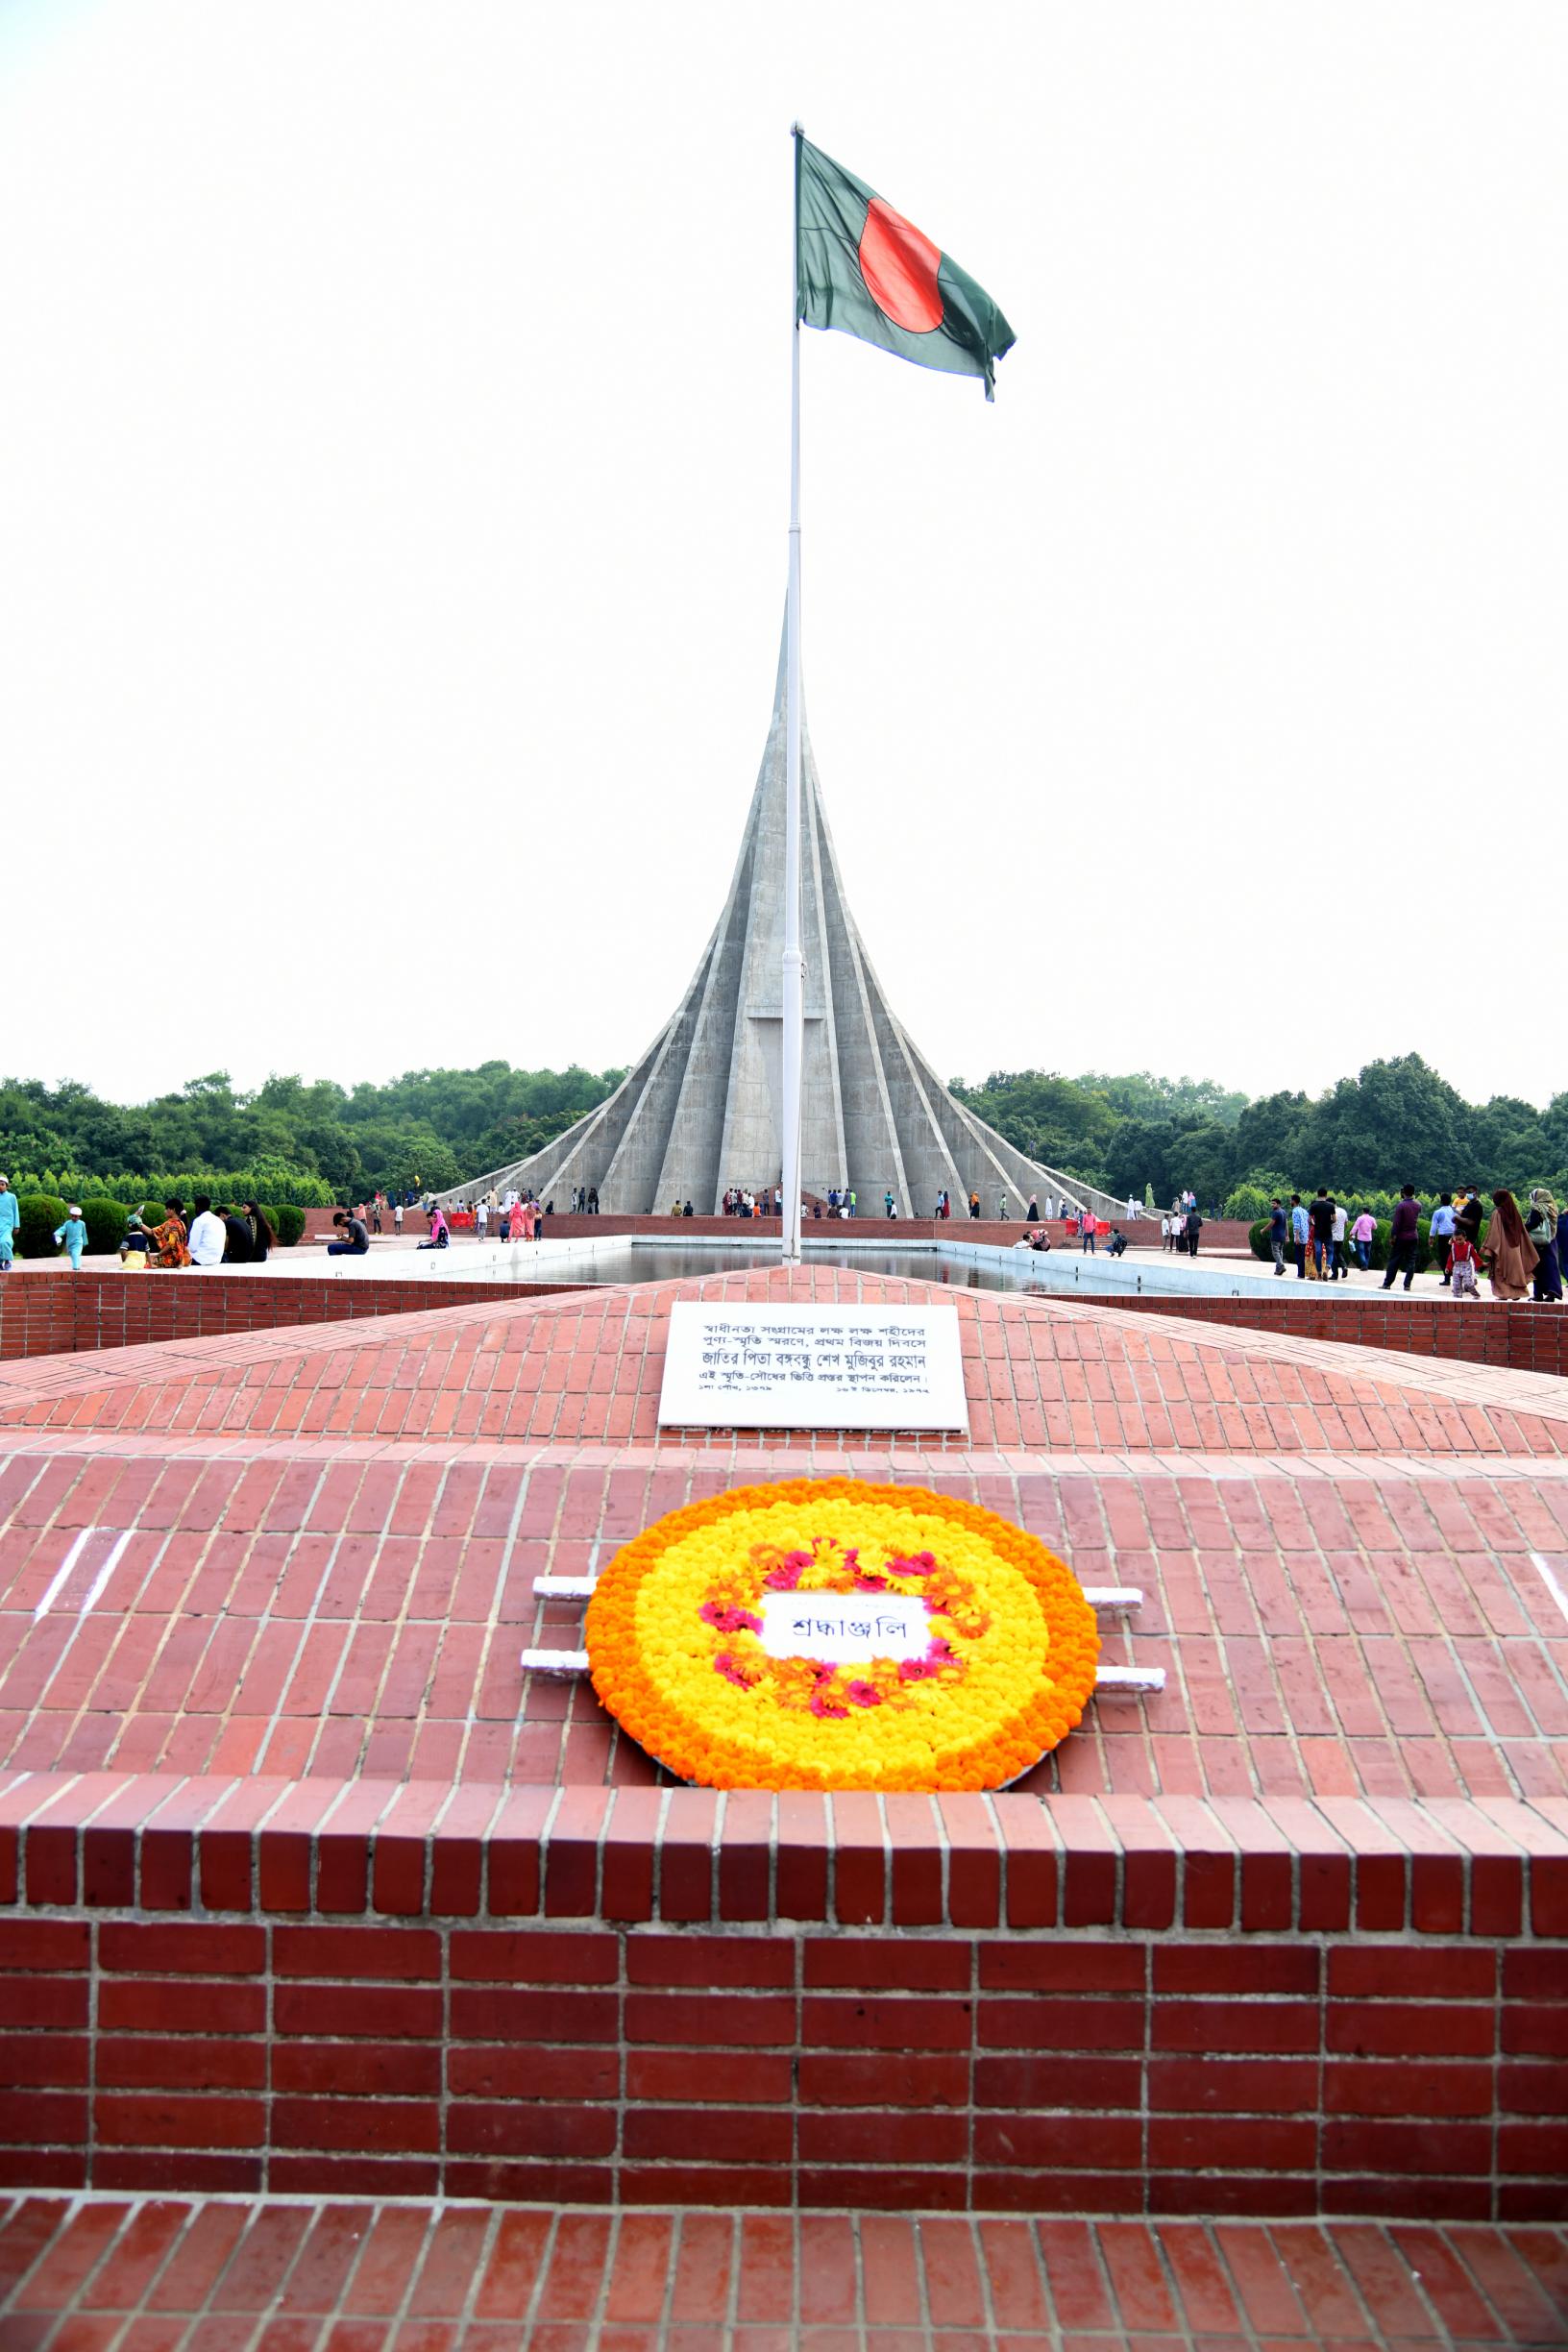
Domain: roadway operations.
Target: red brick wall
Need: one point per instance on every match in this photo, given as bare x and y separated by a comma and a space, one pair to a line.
53, 1314
1527, 1338
644, 1997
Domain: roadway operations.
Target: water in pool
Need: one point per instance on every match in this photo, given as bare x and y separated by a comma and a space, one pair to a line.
1054, 1273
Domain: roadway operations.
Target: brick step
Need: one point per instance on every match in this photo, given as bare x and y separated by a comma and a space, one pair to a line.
302, 2275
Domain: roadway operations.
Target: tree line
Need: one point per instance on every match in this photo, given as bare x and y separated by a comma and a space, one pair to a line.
1395, 1122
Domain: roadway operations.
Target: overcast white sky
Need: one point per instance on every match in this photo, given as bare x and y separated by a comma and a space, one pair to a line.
393, 437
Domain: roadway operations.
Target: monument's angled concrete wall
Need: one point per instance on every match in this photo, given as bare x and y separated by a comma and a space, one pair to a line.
702, 1108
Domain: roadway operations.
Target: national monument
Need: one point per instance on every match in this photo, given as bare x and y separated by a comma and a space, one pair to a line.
700, 1110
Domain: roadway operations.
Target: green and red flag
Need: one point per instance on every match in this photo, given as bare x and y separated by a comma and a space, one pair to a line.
861, 267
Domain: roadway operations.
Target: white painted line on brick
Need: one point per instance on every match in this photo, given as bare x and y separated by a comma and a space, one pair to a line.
563, 1588
61, 1576
57, 1580
1548, 1578
555, 1661
105, 1572
1109, 1598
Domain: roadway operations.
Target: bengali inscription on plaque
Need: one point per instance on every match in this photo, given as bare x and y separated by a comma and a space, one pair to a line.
813, 1367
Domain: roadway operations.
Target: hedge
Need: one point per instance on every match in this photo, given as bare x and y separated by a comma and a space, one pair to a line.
105, 1220
39, 1214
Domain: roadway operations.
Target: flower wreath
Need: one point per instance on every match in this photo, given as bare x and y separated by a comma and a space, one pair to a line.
827, 1633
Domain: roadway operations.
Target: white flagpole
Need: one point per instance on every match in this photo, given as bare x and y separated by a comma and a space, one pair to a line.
794, 1027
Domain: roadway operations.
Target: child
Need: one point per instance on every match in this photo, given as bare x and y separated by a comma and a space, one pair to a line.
74, 1234
1463, 1264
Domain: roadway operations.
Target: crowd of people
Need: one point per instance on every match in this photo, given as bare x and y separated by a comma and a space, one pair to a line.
1523, 1252
213, 1236
1181, 1225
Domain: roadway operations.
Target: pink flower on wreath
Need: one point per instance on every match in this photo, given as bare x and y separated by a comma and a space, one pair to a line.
729, 1620
939, 1652
821, 1705
863, 1694
725, 1665
787, 1572
919, 1563
916, 1670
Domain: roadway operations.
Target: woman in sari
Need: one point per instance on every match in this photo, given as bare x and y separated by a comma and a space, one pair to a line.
1509, 1251
1541, 1225
171, 1237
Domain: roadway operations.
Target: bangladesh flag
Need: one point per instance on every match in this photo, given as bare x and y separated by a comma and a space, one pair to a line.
862, 267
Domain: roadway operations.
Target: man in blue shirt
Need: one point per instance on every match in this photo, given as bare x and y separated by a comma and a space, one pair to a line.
1301, 1226
1276, 1233
1440, 1234
11, 1217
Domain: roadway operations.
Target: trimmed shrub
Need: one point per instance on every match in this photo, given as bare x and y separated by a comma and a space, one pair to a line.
39, 1213
287, 1222
105, 1220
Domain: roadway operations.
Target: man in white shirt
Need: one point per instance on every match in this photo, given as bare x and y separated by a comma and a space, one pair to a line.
207, 1234
1341, 1272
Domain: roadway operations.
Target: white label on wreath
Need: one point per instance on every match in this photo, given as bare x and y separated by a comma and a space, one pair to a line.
813, 1367
844, 1629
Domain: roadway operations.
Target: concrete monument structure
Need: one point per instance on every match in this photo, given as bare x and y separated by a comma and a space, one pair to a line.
701, 1109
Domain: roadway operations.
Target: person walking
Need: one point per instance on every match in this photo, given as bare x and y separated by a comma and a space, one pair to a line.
1405, 1238
975, 1204
1032, 1214
1276, 1232
11, 1217
1322, 1217
1301, 1231
1462, 1265
1467, 1217
74, 1234
887, 1203
1541, 1225
1362, 1233
1341, 1272
1440, 1234
1194, 1227
1509, 1251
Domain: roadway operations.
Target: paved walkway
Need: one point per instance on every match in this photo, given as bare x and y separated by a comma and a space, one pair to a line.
106, 2274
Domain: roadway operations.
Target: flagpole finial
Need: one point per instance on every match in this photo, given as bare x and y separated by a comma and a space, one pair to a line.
797, 130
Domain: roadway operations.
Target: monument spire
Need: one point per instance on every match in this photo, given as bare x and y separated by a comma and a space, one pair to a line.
704, 1107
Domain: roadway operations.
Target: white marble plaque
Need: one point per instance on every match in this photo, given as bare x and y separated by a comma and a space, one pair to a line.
813, 1367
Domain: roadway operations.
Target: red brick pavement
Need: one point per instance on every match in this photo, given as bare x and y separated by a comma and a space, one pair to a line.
171, 2274
1381, 1633
1041, 1374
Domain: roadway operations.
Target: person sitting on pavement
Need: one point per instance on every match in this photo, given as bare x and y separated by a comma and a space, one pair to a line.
354, 1237
208, 1237
440, 1234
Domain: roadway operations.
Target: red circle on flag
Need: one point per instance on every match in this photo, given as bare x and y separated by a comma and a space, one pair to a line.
899, 267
